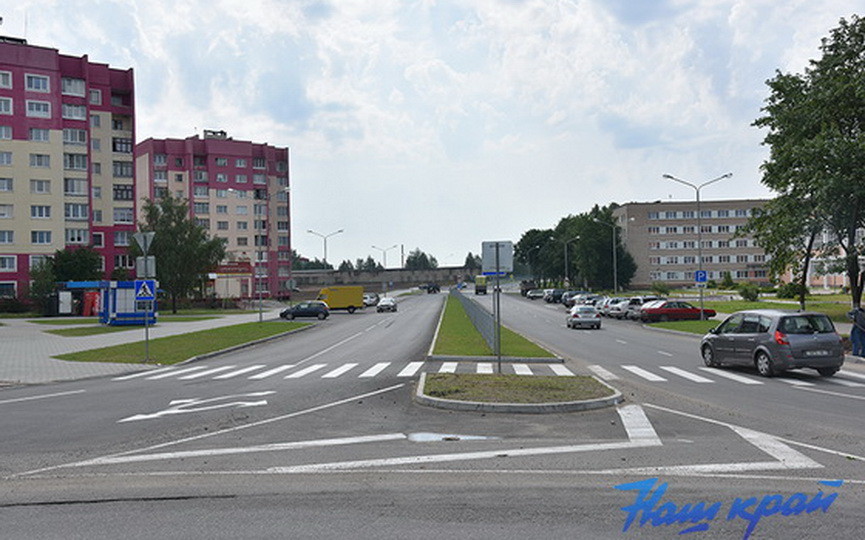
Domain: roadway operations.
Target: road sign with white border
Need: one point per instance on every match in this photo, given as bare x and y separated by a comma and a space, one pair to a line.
145, 289
701, 276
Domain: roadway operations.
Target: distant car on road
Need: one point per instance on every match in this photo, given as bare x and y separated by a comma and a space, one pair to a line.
312, 308
386, 304
535, 294
774, 341
370, 299
672, 310
583, 315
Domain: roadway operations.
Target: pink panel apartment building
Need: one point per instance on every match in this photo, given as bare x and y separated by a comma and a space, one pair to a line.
239, 191
67, 131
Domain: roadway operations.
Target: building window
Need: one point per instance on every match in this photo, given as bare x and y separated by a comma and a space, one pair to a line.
160, 192
122, 169
96, 97
654, 215
98, 239
5, 79
689, 229
672, 230
670, 215
42, 161
242, 226
221, 177
77, 236
178, 177
5, 185
5, 158
37, 83
242, 241
222, 162
689, 259
222, 225
6, 211
123, 192
39, 135
690, 244
72, 87
204, 223
742, 212
40, 237
281, 166
688, 214
221, 209
221, 193
654, 230
122, 145
672, 245
723, 213
97, 192
259, 179
75, 162
123, 215
760, 258
723, 259
7, 237
160, 159
74, 112
74, 186
200, 176
76, 212
160, 176
121, 238
706, 229
258, 163
95, 121
240, 163
74, 136
241, 210
124, 261
117, 124
199, 191
178, 162
742, 274
40, 186
5, 105
7, 262
705, 213
240, 178
741, 243
201, 208
97, 216
6, 133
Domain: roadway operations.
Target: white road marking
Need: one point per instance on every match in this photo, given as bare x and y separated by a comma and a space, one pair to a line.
45, 396
562, 371
374, 370
410, 369
664, 353
686, 374
485, 367
731, 376
240, 371
644, 374
142, 374
621, 341
305, 371
637, 424
853, 374
522, 369
183, 406
339, 371
332, 347
844, 382
269, 372
603, 373
205, 373
448, 367
794, 382
174, 372
829, 393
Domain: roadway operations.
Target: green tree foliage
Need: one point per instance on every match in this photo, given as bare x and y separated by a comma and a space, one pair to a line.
76, 264
816, 135
473, 263
42, 285
183, 250
347, 266
749, 291
418, 260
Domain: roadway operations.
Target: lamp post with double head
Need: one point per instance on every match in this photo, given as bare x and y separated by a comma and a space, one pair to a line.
324, 238
384, 253
697, 189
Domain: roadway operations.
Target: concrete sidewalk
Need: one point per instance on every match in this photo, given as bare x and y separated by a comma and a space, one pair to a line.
26, 350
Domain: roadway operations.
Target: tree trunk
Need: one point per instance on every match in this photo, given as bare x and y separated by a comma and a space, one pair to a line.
805, 265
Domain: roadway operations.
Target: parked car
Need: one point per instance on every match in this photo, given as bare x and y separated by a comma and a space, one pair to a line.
774, 341
554, 296
312, 308
635, 303
672, 310
618, 309
370, 299
386, 304
583, 315
535, 294
606, 306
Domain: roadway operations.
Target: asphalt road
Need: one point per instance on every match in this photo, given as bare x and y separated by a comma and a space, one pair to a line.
315, 436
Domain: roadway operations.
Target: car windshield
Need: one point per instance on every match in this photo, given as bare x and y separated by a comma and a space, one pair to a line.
806, 324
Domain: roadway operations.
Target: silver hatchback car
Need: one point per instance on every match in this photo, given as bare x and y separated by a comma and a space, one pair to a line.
774, 341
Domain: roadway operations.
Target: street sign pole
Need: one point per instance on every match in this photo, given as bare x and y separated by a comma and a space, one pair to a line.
145, 239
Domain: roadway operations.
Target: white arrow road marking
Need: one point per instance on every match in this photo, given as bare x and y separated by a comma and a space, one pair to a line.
182, 406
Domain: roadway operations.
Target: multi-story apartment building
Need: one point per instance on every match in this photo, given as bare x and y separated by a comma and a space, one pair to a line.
663, 238
239, 191
67, 127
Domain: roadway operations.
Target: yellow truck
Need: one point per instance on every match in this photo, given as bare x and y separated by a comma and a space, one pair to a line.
480, 284
347, 297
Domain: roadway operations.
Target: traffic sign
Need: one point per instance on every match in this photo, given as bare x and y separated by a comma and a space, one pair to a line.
701, 276
145, 289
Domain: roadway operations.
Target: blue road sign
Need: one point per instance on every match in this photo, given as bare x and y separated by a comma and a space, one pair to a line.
145, 289
701, 276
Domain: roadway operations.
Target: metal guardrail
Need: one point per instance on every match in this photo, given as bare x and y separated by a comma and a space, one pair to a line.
480, 317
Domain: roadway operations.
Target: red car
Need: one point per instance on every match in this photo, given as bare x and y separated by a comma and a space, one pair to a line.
672, 310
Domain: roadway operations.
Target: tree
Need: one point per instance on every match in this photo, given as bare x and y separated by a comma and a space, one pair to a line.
418, 260
473, 262
76, 264
816, 135
183, 250
346, 266
302, 263
43, 284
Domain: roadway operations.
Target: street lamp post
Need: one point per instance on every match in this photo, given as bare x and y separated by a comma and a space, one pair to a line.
324, 238
384, 253
565, 243
615, 269
697, 189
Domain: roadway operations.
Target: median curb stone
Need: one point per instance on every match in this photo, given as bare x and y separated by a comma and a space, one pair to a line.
525, 408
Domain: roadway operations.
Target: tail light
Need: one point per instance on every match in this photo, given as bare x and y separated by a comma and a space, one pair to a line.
781, 338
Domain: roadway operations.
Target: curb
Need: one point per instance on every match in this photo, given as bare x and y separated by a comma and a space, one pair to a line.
524, 408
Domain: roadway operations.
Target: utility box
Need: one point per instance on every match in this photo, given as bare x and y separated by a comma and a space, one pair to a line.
118, 305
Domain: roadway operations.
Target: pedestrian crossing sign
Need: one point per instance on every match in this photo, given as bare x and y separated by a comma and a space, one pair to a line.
145, 289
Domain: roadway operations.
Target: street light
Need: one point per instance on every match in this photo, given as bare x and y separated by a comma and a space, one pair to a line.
566, 242
324, 237
384, 253
615, 271
697, 189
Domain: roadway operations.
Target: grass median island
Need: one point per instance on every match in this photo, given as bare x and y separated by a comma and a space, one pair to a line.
514, 388
174, 349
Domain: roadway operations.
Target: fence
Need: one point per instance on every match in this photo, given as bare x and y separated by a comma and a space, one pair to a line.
480, 317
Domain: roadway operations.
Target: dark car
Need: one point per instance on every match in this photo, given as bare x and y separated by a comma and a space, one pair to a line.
672, 310
312, 308
554, 296
774, 341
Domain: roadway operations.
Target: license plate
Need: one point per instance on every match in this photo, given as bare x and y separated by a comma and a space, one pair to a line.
816, 353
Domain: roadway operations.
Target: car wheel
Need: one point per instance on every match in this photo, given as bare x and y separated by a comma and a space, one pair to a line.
291, 316
827, 371
322, 316
709, 356
764, 364
351, 309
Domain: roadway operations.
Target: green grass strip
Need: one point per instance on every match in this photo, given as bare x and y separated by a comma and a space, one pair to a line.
694, 327
174, 349
513, 388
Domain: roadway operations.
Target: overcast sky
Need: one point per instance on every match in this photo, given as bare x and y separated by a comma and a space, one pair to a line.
440, 124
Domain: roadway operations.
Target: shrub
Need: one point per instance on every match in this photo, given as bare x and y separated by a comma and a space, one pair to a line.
12, 305
791, 290
749, 292
660, 288
727, 281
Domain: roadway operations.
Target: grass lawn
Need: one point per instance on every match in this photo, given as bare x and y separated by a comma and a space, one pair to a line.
458, 337
836, 311
513, 388
694, 327
174, 349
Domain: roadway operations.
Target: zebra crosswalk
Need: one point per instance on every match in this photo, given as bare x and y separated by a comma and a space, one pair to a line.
707, 375
259, 372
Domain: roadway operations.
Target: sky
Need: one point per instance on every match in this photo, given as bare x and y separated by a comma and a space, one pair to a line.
437, 125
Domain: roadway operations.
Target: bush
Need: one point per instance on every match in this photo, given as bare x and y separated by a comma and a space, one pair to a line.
660, 288
12, 305
727, 281
749, 292
791, 290
711, 284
